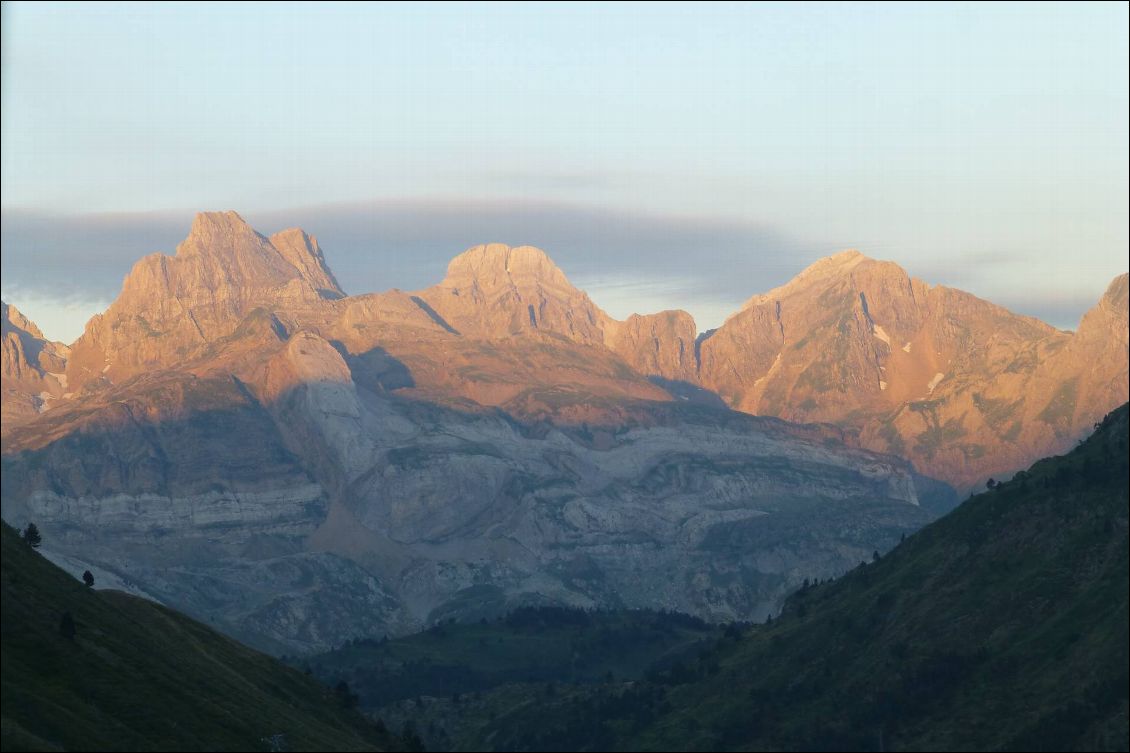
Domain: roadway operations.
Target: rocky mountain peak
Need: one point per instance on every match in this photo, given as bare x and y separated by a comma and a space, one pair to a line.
212, 231
1107, 319
841, 258
236, 253
962, 387
495, 265
823, 273
221, 272
1117, 293
834, 265
302, 251
14, 320
495, 290
31, 368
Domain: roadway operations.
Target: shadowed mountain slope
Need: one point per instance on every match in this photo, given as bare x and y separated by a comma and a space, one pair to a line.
138, 676
312, 469
1003, 626
250, 446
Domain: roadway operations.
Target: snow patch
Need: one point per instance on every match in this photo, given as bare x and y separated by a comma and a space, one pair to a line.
906, 347
880, 333
105, 368
934, 382
103, 578
882, 385
60, 377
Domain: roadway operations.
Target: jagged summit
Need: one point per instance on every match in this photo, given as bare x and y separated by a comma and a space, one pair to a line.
171, 305
1108, 317
1117, 293
925, 372
302, 251
31, 368
247, 255
824, 270
495, 265
13, 319
495, 290
209, 228
837, 263
847, 256
963, 387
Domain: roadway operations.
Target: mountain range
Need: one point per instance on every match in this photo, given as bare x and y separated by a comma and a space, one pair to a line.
237, 437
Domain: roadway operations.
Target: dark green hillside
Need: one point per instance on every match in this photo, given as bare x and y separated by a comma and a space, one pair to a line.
138, 676
529, 645
1001, 626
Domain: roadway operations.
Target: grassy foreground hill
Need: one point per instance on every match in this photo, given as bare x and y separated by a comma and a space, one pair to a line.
138, 676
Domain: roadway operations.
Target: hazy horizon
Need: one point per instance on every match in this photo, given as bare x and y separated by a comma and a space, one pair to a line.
688, 157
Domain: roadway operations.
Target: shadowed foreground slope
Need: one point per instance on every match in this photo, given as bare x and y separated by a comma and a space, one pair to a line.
138, 676
1002, 626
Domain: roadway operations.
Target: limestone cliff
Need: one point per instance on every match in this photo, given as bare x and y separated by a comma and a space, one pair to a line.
32, 368
171, 306
303, 468
244, 441
495, 291
963, 388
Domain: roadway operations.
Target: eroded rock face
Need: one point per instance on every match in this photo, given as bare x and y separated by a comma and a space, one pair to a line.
495, 292
1095, 357
313, 469
171, 306
961, 387
645, 521
184, 489
660, 344
300, 468
296, 509
32, 368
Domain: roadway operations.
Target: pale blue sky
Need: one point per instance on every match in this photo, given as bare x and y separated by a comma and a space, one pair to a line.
664, 155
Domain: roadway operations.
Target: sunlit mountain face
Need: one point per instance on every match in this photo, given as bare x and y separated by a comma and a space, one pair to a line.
726, 377
238, 437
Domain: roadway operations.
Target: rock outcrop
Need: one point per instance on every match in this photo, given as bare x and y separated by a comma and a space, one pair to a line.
495, 292
171, 307
660, 344
32, 368
1095, 358
961, 387
297, 509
